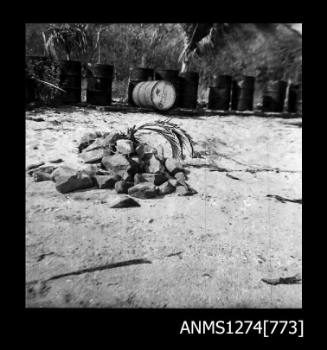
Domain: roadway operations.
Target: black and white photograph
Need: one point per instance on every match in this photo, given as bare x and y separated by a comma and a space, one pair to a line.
163, 165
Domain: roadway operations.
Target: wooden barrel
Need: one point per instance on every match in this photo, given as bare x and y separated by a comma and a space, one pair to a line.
172, 76
242, 94
157, 94
136, 75
274, 95
70, 81
99, 84
189, 89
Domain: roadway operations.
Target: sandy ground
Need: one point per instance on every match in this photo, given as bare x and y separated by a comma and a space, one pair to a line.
208, 250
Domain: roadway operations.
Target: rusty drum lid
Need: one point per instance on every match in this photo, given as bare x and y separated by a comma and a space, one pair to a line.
163, 95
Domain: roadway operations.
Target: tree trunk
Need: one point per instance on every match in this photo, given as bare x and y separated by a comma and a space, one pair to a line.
185, 65
99, 45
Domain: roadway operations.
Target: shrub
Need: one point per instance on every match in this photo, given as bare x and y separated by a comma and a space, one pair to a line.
44, 69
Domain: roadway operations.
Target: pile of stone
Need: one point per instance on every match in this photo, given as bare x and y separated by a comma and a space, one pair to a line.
112, 161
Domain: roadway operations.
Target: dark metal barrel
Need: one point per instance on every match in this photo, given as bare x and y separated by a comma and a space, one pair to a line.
299, 100
99, 84
292, 98
222, 81
189, 82
242, 94
235, 95
274, 96
172, 76
219, 98
70, 81
220, 92
141, 74
247, 83
136, 75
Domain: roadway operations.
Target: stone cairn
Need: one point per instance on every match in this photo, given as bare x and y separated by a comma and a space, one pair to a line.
112, 161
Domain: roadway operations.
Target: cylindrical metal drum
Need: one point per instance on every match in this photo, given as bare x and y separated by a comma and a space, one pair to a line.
246, 93
70, 81
219, 98
299, 100
219, 93
171, 76
242, 94
292, 98
274, 95
189, 89
222, 81
99, 84
235, 95
141, 74
157, 94
136, 75
247, 83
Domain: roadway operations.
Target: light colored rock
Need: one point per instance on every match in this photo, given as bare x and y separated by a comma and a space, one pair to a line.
34, 165
144, 151
90, 169
185, 191
68, 179
105, 181
93, 156
98, 143
124, 146
181, 190
153, 165
122, 186
44, 169
173, 182
181, 179
166, 188
160, 153
118, 164
40, 176
156, 179
87, 139
111, 139
143, 190
173, 166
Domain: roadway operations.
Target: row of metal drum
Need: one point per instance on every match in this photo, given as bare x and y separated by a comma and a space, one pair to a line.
164, 89
99, 81
178, 90
225, 93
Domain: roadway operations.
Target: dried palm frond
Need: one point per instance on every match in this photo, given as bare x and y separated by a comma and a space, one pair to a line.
177, 137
